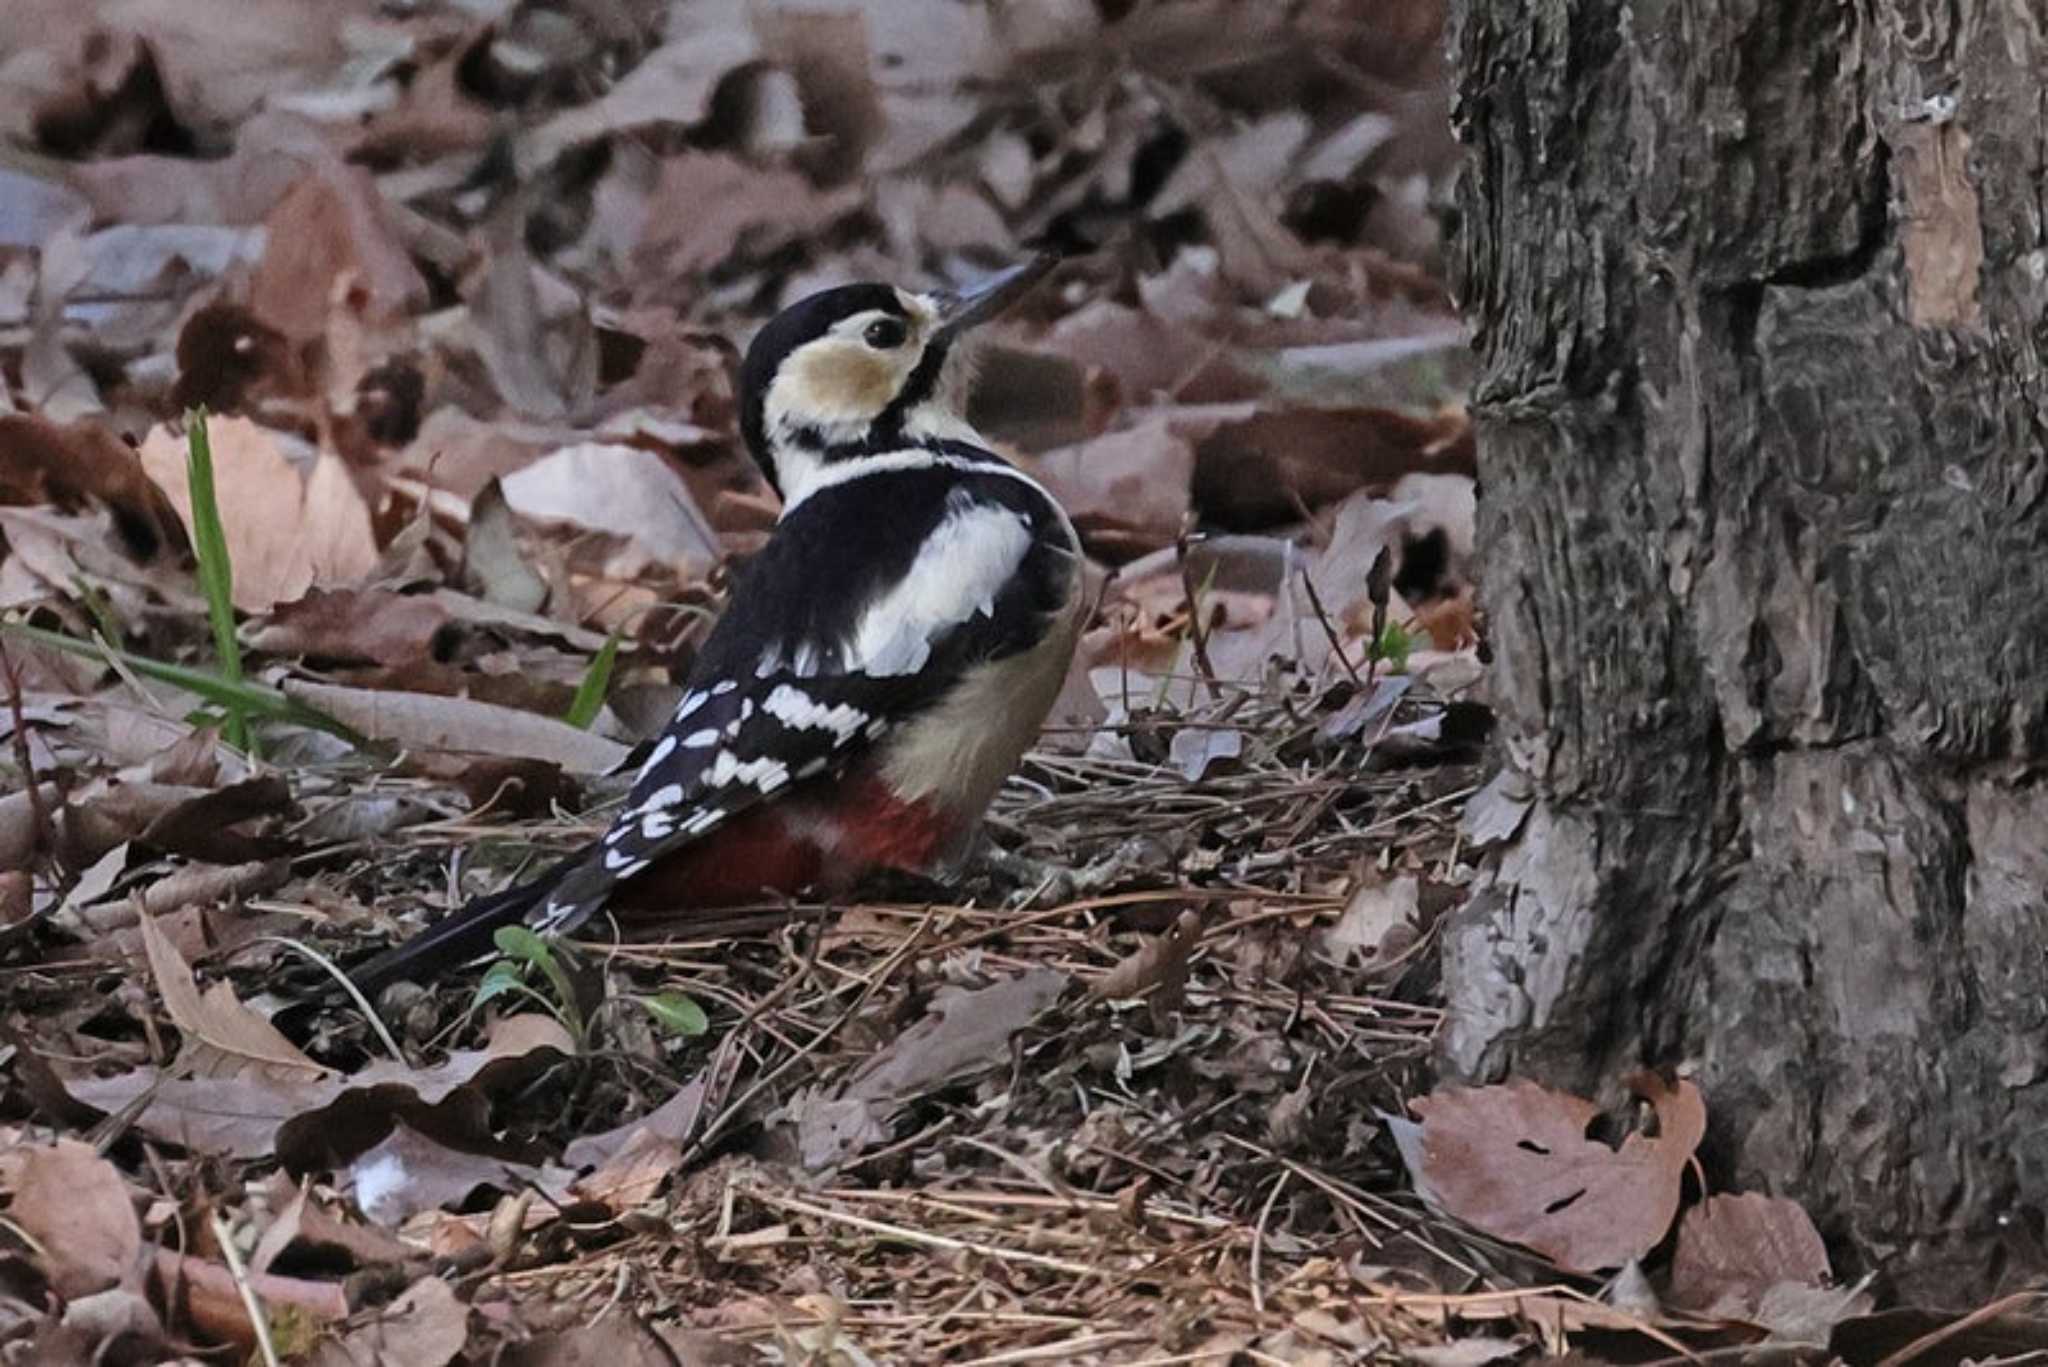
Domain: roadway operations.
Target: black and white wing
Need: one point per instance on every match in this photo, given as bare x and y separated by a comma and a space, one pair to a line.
872, 599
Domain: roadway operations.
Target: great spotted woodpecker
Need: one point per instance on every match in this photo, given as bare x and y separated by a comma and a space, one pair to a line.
885, 659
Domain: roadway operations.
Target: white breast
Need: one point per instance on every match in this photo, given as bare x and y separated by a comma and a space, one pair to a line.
957, 754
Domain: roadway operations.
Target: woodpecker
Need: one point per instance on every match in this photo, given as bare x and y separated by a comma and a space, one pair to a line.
884, 662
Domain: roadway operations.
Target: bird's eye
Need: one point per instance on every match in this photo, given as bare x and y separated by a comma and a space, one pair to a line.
886, 334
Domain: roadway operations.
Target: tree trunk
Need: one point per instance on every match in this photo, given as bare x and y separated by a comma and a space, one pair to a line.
1761, 291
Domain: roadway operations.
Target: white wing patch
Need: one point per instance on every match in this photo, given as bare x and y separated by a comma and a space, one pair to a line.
959, 570
798, 710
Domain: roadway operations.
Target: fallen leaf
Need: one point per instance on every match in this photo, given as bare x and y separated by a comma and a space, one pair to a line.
1375, 908
827, 53
1134, 483
1732, 1249
425, 1327
673, 1120
494, 566
332, 236
304, 1224
85, 464
621, 1340
313, 1123
1160, 962
1195, 747
1262, 469
1472, 1352
962, 1033
421, 720
210, 1298
706, 207
354, 626
116, 1313
1514, 1161
532, 331
74, 1206
285, 533
206, 825
408, 1173
222, 1036
619, 489
228, 357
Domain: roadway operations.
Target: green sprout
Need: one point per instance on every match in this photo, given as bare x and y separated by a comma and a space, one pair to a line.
527, 955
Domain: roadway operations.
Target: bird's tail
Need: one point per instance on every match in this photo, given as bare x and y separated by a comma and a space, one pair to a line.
458, 937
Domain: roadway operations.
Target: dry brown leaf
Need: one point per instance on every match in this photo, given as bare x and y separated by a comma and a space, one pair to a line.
76, 1208
285, 533
354, 626
408, 1172
494, 566
222, 1036
202, 885
330, 241
313, 1122
71, 467
1733, 1249
673, 1121
210, 1297
425, 1327
705, 207
1161, 962
618, 489
304, 1223
827, 53
1135, 482
422, 720
1514, 1161
1150, 357
962, 1033
621, 1340
228, 358
1261, 470
1376, 907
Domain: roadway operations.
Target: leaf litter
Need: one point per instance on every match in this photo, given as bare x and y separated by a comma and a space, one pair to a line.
463, 285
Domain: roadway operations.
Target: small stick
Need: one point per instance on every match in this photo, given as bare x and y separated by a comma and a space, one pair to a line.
258, 1321
1315, 601
39, 816
1198, 631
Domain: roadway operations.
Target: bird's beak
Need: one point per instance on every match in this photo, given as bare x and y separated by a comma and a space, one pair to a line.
986, 298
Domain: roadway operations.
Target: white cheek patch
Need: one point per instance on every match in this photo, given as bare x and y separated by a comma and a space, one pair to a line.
958, 572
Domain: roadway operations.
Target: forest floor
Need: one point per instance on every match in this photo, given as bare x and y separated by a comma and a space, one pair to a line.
461, 286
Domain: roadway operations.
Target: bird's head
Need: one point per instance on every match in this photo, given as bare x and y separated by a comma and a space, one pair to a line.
862, 369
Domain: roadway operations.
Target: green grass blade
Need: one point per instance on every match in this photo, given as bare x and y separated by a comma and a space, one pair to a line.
590, 692
251, 698
216, 572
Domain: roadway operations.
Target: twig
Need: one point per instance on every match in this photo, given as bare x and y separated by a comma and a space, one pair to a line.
1315, 600
1259, 1241
1934, 1339
918, 1236
348, 985
1198, 631
39, 815
259, 1322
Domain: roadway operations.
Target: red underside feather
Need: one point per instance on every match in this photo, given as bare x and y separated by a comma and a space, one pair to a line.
788, 847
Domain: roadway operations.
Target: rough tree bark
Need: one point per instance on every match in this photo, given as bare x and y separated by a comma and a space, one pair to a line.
1761, 295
